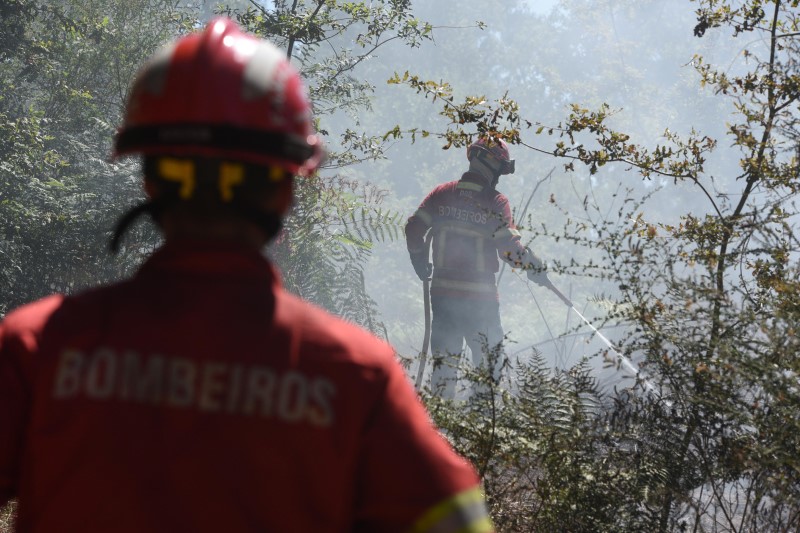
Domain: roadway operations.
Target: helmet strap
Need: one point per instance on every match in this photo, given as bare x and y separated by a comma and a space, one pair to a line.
154, 208
269, 223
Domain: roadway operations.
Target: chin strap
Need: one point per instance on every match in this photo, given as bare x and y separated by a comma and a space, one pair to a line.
152, 208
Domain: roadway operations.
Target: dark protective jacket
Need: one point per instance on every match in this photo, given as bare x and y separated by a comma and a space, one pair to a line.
201, 396
472, 225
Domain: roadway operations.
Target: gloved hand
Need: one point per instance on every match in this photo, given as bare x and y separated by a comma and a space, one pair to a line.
422, 267
539, 277
537, 272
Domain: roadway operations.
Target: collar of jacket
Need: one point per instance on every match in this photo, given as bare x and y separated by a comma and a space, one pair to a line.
473, 178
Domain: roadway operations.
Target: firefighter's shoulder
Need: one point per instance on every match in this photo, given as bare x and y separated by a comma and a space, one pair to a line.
324, 336
444, 188
26, 321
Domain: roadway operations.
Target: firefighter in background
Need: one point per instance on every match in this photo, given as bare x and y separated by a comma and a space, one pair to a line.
199, 395
471, 226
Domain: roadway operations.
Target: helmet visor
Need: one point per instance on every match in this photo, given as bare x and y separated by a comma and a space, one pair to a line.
498, 160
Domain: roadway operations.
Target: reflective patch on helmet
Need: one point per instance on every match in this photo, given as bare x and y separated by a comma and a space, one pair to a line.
181, 171
276, 174
262, 74
230, 175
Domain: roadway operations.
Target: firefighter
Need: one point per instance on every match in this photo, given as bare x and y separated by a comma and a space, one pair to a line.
199, 395
471, 227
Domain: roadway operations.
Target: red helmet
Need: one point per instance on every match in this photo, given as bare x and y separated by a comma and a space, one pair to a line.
221, 93
494, 147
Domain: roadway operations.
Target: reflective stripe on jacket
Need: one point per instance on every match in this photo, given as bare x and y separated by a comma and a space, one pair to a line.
465, 513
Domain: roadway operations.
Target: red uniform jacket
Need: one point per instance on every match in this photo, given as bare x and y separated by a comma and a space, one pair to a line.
200, 396
471, 224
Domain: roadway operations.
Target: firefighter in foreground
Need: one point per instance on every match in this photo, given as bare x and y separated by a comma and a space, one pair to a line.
471, 226
199, 395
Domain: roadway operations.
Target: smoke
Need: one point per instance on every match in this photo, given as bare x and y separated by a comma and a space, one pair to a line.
635, 56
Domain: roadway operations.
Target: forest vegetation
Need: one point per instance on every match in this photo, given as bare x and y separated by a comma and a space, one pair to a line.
657, 143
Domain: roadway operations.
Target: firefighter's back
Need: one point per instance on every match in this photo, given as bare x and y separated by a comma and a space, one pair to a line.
200, 396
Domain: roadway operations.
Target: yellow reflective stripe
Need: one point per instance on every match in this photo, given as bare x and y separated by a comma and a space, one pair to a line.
480, 265
466, 512
458, 228
441, 242
471, 286
484, 525
276, 174
180, 170
230, 174
468, 185
424, 216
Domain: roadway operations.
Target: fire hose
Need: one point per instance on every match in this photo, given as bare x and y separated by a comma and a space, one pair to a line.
426, 298
623, 360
